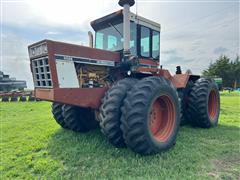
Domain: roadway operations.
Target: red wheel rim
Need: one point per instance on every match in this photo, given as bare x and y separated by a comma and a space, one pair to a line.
162, 118
212, 105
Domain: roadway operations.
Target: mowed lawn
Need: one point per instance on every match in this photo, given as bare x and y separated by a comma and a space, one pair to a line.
33, 146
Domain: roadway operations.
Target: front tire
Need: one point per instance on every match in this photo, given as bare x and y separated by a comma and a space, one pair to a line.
110, 111
204, 103
150, 116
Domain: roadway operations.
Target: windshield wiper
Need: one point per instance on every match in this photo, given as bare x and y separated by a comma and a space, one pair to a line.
115, 29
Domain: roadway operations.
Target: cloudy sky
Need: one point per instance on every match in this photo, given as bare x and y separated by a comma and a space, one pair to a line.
194, 33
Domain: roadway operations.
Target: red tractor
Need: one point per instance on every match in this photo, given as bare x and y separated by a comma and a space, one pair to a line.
120, 83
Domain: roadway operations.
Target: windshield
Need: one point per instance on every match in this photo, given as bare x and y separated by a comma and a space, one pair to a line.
111, 37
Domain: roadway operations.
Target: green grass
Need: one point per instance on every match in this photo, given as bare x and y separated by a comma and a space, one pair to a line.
230, 93
33, 146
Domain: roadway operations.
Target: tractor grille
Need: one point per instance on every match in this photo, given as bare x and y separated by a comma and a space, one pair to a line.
41, 73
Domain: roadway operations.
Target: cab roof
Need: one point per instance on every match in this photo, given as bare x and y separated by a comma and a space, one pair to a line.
118, 17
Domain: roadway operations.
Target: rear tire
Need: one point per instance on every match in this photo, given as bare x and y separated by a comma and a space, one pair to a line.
79, 119
204, 103
110, 112
57, 114
150, 116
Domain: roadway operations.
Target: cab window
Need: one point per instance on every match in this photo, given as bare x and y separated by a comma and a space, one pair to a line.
112, 42
145, 42
133, 38
110, 37
99, 40
155, 44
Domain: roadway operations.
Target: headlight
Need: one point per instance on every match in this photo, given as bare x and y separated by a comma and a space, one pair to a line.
38, 50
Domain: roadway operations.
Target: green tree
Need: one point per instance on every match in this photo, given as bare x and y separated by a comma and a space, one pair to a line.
228, 70
236, 72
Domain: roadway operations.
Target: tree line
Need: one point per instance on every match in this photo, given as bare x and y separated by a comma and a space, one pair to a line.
227, 69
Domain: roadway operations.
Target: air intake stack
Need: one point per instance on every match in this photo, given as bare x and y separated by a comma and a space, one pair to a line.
126, 4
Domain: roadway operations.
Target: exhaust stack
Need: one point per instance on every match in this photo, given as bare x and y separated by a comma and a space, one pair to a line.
126, 4
90, 39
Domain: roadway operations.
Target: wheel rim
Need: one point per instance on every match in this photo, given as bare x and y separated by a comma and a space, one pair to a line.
212, 105
162, 118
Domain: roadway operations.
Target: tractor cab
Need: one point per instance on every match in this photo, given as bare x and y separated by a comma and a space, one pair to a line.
144, 41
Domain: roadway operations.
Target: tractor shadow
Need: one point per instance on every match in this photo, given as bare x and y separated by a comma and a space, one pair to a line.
77, 150
66, 145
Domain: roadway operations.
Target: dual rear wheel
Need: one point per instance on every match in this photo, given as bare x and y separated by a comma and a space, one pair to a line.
200, 103
204, 104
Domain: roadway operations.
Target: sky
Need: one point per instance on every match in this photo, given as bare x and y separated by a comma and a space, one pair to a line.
194, 33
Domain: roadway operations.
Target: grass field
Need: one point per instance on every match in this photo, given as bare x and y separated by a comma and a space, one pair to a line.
33, 146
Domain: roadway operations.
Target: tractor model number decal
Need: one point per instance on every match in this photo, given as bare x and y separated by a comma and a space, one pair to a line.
83, 60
